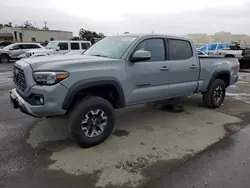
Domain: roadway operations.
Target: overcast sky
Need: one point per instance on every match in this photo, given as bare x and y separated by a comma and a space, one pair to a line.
116, 16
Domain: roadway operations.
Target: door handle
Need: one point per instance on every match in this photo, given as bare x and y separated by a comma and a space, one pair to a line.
192, 67
164, 68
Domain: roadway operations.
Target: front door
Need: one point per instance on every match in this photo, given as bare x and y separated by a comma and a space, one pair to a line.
148, 80
184, 73
63, 48
16, 50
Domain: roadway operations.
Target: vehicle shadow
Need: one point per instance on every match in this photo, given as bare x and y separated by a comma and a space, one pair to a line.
52, 133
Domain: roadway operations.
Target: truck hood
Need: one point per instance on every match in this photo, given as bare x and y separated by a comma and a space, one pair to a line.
62, 62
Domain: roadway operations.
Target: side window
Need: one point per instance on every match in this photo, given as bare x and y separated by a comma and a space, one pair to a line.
212, 47
63, 46
220, 46
30, 46
180, 49
16, 47
225, 46
155, 47
85, 46
74, 46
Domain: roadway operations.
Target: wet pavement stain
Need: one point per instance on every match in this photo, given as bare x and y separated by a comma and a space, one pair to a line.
173, 109
120, 133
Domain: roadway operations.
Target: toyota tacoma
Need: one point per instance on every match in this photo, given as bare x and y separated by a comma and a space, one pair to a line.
116, 72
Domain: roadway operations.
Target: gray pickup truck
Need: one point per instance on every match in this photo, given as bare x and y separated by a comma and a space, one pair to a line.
116, 72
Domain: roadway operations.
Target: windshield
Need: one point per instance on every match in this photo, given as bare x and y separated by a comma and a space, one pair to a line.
112, 47
203, 48
9, 46
51, 45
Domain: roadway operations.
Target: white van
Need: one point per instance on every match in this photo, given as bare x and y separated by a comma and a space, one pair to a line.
58, 47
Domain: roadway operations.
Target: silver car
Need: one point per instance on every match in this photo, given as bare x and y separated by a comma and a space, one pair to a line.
11, 52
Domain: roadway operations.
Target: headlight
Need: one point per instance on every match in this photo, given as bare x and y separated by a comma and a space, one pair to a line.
49, 78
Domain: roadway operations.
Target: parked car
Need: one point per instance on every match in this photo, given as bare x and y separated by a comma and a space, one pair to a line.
222, 49
233, 51
13, 51
59, 47
116, 72
212, 48
4, 43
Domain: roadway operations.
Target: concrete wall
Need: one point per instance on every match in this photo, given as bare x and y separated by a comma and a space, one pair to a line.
29, 35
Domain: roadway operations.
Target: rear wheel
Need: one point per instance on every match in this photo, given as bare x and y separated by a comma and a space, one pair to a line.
215, 94
5, 58
91, 121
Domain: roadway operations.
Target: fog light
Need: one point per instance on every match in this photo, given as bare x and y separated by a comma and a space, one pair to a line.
37, 99
41, 100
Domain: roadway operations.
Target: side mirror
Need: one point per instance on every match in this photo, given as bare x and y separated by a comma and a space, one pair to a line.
11, 49
57, 48
140, 55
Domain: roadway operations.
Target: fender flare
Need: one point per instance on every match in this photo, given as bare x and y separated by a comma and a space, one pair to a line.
84, 84
216, 73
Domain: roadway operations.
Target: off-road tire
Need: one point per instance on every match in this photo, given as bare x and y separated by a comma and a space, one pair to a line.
5, 57
208, 96
77, 115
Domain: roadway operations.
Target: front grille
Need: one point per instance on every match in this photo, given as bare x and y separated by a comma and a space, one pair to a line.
19, 78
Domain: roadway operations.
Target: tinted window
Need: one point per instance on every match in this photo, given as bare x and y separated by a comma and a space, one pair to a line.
30, 46
74, 46
63, 46
17, 47
203, 49
155, 47
212, 47
85, 46
180, 49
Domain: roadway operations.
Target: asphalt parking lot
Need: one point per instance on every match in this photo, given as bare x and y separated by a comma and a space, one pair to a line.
147, 142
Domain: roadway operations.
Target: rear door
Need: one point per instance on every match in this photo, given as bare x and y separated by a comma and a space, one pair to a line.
184, 72
148, 80
27, 47
75, 46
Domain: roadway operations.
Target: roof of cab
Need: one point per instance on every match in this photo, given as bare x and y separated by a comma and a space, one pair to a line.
141, 35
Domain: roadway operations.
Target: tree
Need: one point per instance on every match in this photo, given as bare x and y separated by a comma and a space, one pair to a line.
9, 24
101, 35
88, 35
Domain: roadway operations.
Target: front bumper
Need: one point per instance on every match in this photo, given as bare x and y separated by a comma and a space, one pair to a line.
18, 102
53, 100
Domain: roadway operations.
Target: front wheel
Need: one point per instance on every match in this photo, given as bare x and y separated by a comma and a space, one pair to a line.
4, 59
91, 121
214, 96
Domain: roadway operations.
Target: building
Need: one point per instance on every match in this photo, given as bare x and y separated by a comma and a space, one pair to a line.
16, 34
222, 36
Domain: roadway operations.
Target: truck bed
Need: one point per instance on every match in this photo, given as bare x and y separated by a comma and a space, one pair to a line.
210, 65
